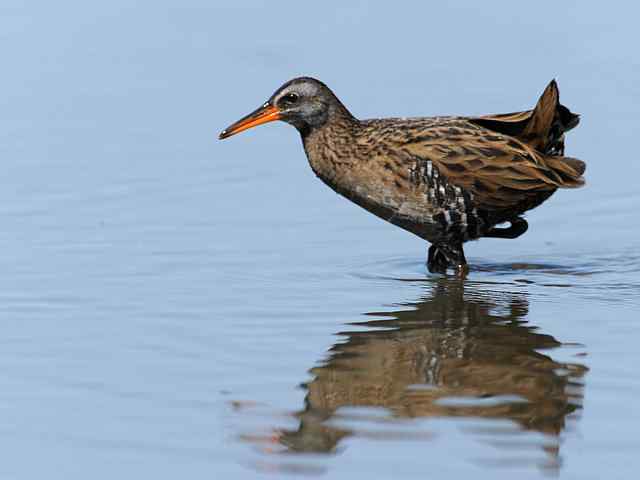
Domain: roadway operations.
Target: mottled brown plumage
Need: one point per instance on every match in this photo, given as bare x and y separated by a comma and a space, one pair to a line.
446, 179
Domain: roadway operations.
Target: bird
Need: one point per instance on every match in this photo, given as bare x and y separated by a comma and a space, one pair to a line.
446, 179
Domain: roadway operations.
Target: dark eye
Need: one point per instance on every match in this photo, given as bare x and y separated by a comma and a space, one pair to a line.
289, 98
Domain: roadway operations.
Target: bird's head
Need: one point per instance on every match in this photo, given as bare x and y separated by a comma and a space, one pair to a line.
304, 102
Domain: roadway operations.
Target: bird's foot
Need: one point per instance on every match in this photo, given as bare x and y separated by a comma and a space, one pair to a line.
443, 256
518, 226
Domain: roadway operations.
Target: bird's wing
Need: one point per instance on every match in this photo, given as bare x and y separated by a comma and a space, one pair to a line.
498, 170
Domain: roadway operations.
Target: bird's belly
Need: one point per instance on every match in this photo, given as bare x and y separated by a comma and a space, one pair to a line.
402, 204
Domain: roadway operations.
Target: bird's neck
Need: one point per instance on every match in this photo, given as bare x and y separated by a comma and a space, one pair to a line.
331, 146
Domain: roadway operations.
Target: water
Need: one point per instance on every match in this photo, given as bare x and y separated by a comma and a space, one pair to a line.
174, 306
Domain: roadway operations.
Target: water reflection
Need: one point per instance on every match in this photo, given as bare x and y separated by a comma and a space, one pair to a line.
460, 351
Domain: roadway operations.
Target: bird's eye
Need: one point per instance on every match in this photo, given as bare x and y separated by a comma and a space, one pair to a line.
289, 98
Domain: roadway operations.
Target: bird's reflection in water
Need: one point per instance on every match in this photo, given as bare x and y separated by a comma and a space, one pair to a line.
460, 342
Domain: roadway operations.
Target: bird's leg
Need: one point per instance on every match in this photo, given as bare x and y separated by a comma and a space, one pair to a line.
434, 261
447, 255
518, 226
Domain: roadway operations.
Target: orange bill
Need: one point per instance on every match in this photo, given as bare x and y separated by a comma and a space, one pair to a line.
264, 114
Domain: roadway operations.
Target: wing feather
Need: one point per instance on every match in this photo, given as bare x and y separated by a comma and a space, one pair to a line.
498, 170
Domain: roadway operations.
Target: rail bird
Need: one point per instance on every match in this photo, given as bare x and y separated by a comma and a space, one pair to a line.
448, 179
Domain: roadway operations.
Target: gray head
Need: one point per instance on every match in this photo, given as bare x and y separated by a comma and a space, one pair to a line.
304, 102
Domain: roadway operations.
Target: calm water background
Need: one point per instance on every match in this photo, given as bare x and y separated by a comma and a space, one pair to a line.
172, 306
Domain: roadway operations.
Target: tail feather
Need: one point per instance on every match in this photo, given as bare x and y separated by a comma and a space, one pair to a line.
549, 122
569, 170
536, 133
578, 165
542, 128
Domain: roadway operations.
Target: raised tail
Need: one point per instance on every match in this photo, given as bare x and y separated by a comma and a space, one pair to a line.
542, 128
544, 131
548, 123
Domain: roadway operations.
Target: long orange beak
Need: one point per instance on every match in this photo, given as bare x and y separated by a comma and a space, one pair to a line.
264, 114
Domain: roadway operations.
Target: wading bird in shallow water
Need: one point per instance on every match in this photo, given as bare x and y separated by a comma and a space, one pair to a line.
446, 179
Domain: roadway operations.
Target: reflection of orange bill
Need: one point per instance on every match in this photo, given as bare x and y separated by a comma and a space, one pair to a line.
264, 114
